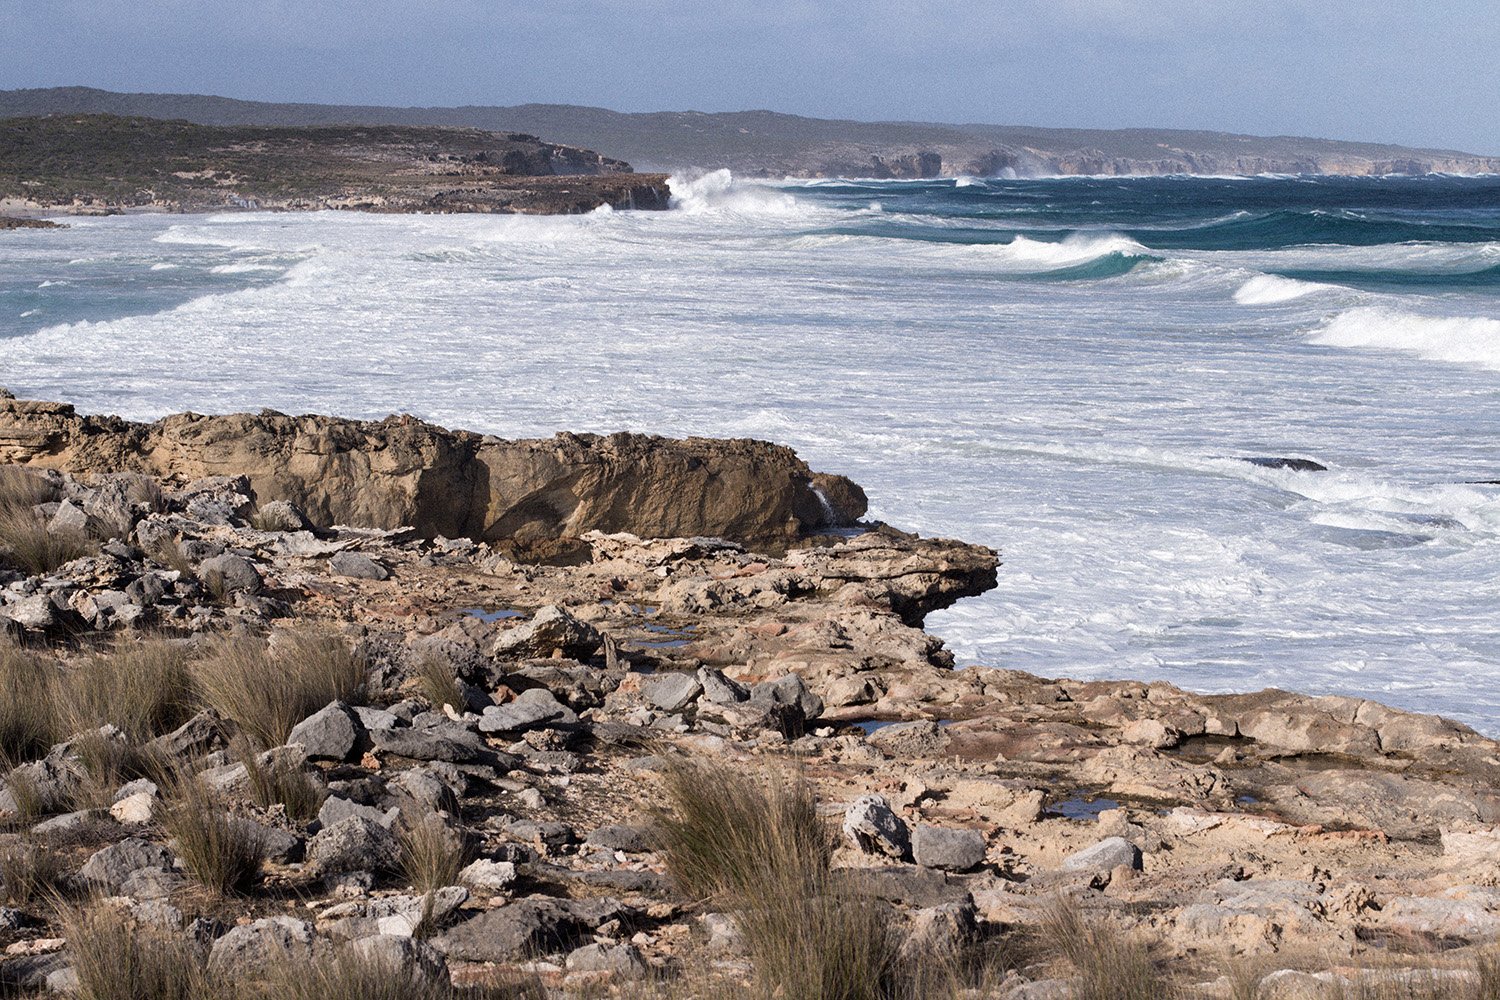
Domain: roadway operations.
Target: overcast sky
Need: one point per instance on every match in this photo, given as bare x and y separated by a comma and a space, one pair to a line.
1419, 72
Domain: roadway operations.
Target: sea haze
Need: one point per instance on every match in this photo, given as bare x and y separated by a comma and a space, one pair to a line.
1074, 371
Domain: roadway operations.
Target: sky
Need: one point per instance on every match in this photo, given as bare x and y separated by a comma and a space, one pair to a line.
1416, 72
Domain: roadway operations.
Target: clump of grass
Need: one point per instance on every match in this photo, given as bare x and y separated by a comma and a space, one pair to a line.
436, 680
267, 690
23, 489
168, 553
432, 854
144, 687
1107, 964
30, 872
279, 782
117, 958
28, 710
760, 849
108, 761
34, 547
351, 975
223, 852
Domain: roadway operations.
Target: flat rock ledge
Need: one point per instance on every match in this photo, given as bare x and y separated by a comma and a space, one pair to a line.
531, 497
1268, 827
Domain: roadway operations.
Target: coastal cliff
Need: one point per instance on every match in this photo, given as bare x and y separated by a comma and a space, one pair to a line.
101, 163
528, 728
770, 144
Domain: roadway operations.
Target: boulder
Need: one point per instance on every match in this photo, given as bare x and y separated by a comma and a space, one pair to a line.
404, 958
1105, 856
549, 630
357, 565
525, 929
673, 692
789, 690
534, 708
946, 848
871, 825
331, 733
230, 574
495, 876
281, 515
260, 944
113, 865
622, 961
357, 843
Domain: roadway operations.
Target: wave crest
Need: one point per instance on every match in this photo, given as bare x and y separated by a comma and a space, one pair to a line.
718, 191
1269, 289
1460, 339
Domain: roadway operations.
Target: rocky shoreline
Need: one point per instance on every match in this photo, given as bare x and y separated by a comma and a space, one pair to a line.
102, 165
726, 608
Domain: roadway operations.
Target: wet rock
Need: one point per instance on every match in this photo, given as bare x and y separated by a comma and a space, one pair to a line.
331, 733
1290, 464
1105, 856
358, 566
947, 848
871, 825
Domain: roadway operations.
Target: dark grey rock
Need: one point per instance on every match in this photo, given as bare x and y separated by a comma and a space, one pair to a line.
111, 866
230, 574
357, 565
258, 945
673, 692
633, 839
789, 690
333, 732
527, 928
947, 848
448, 742
719, 689
357, 843
532, 709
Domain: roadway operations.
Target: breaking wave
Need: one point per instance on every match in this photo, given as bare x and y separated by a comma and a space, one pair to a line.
1460, 339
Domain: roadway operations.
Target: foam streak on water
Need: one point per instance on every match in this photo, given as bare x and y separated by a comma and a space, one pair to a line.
1070, 371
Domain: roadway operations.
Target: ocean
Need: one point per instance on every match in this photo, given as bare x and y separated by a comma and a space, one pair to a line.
1099, 377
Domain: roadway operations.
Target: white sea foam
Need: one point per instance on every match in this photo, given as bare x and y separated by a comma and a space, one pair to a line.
718, 192
1092, 431
1071, 252
1270, 289
1462, 339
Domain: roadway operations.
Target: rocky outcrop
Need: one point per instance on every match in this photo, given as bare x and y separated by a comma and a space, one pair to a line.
533, 497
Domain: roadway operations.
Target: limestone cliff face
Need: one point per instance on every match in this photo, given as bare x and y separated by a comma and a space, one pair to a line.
533, 497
